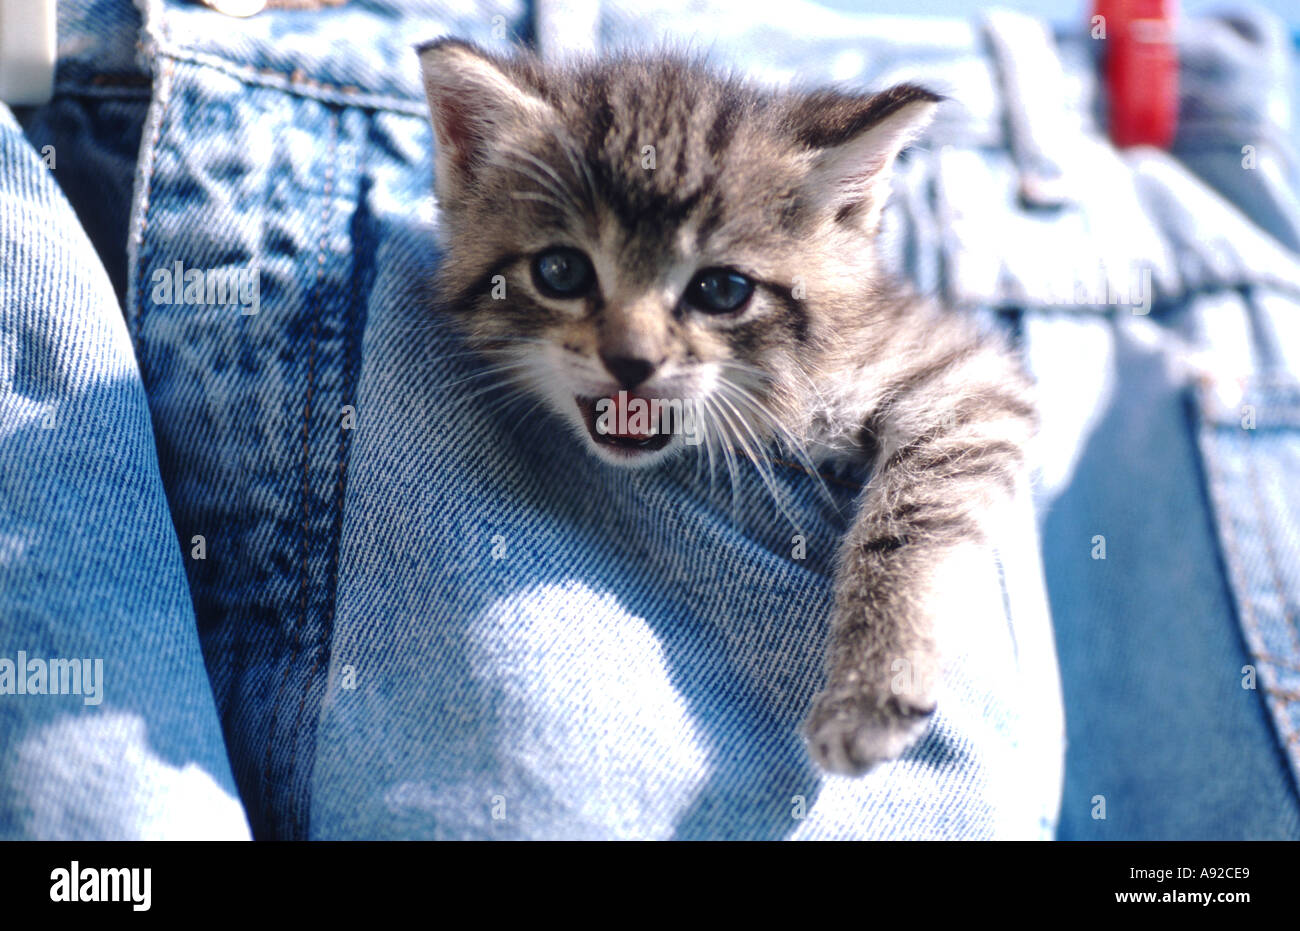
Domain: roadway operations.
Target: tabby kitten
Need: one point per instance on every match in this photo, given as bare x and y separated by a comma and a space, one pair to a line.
669, 232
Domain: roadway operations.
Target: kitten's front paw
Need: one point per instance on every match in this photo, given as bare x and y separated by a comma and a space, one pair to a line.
850, 730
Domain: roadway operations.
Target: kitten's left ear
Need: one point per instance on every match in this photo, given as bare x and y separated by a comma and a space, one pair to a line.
856, 140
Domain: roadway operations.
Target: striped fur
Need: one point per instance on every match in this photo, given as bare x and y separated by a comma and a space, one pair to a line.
656, 167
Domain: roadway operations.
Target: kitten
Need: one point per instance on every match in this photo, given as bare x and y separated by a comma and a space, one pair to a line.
672, 233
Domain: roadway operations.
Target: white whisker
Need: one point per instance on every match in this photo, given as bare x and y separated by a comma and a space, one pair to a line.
759, 456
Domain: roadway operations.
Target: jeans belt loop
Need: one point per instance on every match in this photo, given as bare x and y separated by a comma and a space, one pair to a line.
1034, 94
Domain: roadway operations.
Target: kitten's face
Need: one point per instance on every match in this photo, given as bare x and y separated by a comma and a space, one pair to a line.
643, 226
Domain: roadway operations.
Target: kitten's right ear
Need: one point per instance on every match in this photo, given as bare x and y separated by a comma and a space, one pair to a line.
474, 102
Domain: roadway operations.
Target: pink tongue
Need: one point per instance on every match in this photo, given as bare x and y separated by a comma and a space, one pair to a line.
625, 413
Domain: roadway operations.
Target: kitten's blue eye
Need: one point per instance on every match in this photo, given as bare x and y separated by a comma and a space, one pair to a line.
719, 291
563, 272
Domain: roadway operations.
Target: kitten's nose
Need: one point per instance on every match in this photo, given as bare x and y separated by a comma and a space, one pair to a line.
630, 371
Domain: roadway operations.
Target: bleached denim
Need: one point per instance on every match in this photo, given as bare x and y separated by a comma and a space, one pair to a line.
89, 567
424, 617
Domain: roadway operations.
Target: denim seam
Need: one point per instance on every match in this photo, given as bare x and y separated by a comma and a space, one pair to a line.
1288, 619
321, 648
296, 83
1278, 661
1232, 553
304, 579
145, 182
352, 336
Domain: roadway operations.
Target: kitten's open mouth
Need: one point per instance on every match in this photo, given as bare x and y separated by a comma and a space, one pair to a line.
620, 422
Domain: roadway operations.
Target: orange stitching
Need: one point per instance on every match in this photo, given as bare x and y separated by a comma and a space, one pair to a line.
1233, 559
306, 464
1277, 661
334, 576
295, 78
1274, 570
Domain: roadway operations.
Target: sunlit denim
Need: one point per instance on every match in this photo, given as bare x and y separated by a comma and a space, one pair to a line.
89, 567
427, 615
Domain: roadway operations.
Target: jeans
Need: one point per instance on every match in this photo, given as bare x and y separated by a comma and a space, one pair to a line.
388, 606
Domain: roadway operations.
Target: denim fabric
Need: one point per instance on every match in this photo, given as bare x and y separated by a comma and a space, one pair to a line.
427, 615
1155, 638
600, 678
1151, 652
623, 657
89, 568
301, 175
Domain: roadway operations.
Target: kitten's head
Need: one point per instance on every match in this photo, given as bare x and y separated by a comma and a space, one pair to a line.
646, 225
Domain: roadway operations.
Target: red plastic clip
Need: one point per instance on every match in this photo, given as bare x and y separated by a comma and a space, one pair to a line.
1141, 70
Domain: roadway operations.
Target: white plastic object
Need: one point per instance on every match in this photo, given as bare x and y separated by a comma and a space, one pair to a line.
27, 51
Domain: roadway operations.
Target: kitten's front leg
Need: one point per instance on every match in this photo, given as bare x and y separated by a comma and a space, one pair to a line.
883, 660
927, 499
